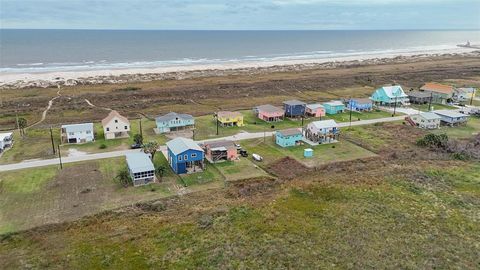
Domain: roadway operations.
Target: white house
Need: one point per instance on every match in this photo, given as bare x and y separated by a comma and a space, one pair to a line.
115, 126
426, 120
463, 94
451, 117
78, 133
324, 131
141, 168
6, 140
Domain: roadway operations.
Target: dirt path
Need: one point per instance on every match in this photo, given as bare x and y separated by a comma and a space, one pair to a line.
44, 113
95, 106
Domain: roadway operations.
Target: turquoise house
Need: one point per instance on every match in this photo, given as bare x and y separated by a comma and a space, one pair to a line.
288, 137
334, 107
174, 121
389, 95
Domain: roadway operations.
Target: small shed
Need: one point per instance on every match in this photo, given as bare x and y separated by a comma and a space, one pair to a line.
141, 168
308, 153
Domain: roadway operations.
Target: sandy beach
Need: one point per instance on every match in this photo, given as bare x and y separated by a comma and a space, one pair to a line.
123, 75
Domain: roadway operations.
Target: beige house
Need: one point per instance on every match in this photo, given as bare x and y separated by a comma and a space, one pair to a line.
427, 120
115, 126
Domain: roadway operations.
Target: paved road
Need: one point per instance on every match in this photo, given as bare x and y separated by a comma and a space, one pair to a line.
237, 137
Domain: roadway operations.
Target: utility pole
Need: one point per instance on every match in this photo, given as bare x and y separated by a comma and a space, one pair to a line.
473, 94
350, 101
395, 106
430, 103
60, 158
216, 122
51, 137
141, 131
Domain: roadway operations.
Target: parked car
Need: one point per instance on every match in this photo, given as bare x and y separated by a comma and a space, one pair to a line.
243, 153
257, 157
136, 146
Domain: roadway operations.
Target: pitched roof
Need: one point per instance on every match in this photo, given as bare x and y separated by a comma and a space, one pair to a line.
139, 162
269, 108
438, 88
450, 113
314, 106
290, 132
324, 124
228, 114
173, 115
362, 100
294, 102
220, 143
78, 127
419, 94
180, 145
429, 115
112, 115
393, 91
334, 103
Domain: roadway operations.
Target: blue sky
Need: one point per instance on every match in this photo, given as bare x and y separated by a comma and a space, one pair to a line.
241, 14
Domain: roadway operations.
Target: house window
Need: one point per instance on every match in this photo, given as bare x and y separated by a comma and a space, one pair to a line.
108, 129
185, 157
180, 158
116, 121
194, 155
71, 133
88, 132
126, 127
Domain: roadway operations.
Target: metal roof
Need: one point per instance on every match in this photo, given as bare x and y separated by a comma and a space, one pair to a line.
78, 127
450, 113
139, 162
180, 145
294, 102
324, 124
391, 90
362, 100
220, 143
429, 115
438, 88
314, 106
173, 115
290, 132
3, 136
112, 115
419, 94
334, 103
269, 108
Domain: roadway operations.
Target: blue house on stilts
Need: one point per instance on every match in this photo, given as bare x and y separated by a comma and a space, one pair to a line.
185, 156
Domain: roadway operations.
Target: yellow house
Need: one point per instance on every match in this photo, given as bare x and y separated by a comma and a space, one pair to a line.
228, 119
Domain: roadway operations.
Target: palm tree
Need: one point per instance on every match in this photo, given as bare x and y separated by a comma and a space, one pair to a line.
22, 124
150, 148
161, 171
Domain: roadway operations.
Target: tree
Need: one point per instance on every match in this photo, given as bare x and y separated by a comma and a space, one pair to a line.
138, 139
123, 177
22, 124
150, 148
161, 171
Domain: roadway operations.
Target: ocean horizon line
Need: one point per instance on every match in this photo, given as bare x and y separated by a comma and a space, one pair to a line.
246, 30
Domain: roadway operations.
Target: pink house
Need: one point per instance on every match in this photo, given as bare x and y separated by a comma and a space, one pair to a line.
269, 113
315, 110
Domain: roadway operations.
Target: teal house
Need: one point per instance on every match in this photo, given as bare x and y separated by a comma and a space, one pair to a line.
288, 137
334, 107
389, 95
173, 122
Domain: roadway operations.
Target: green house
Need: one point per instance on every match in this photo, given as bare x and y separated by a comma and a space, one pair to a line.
389, 95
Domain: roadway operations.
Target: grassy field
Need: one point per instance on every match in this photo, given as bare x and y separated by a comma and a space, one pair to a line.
325, 153
463, 131
240, 169
389, 221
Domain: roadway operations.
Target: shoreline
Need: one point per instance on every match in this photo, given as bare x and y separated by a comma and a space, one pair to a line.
130, 75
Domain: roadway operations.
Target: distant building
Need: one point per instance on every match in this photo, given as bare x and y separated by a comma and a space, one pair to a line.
324, 131
389, 95
419, 97
288, 137
185, 156
464, 94
115, 126
315, 110
441, 93
221, 150
294, 108
228, 119
426, 120
359, 104
141, 168
6, 141
269, 113
334, 107
174, 121
451, 117
78, 133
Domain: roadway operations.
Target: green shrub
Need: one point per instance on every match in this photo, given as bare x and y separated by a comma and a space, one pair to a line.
102, 146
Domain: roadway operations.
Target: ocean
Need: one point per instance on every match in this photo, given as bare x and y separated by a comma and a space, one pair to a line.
30, 51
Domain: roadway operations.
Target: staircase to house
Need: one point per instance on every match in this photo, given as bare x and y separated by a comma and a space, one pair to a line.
410, 121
